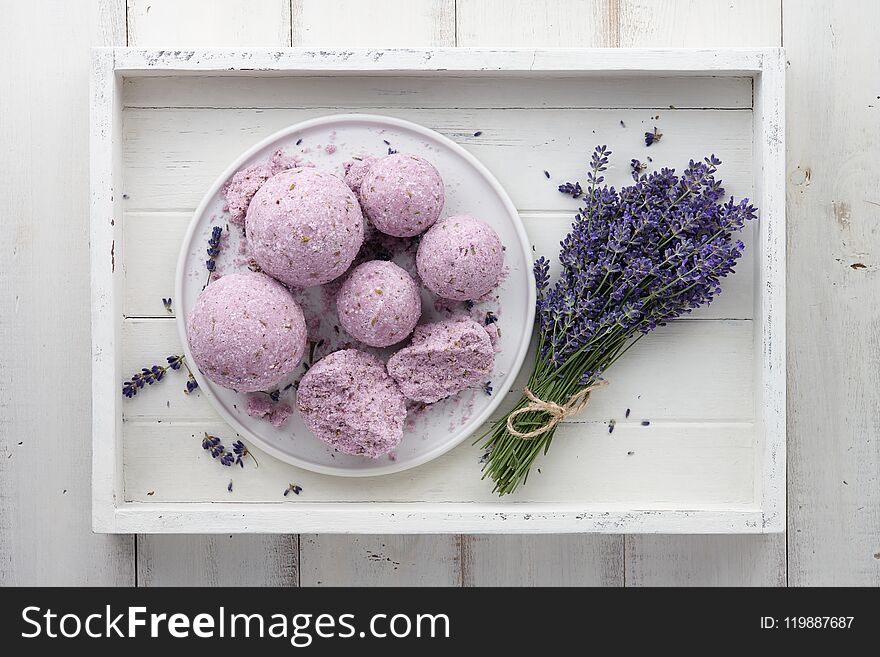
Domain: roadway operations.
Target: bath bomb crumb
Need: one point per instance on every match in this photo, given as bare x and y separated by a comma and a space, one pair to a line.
240, 189
460, 258
379, 303
402, 194
304, 227
348, 400
356, 169
246, 332
263, 408
443, 359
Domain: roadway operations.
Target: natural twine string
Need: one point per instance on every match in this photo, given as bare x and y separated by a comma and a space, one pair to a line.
556, 412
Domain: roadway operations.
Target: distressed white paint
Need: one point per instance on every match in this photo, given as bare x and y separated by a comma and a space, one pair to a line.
45, 536
377, 23
834, 201
205, 23
146, 163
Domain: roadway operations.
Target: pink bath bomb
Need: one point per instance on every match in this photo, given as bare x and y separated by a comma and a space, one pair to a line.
348, 400
356, 169
379, 303
401, 194
460, 258
246, 332
444, 358
304, 227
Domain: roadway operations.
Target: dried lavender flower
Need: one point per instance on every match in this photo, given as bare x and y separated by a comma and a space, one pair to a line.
292, 488
167, 304
487, 387
213, 251
651, 137
153, 374
572, 189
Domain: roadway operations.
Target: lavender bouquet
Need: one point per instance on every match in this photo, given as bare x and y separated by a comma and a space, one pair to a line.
634, 259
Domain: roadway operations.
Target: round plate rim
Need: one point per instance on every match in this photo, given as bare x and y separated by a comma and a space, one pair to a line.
382, 121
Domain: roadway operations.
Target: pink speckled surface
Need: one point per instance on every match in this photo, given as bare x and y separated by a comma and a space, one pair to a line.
379, 303
304, 227
348, 400
260, 406
240, 189
402, 194
356, 169
246, 332
460, 258
444, 358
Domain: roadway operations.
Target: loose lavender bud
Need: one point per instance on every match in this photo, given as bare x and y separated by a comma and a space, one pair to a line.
651, 137
573, 189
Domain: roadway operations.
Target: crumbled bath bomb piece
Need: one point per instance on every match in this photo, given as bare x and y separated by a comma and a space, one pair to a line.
240, 189
348, 400
355, 170
379, 303
246, 332
402, 194
304, 227
444, 358
460, 258
261, 407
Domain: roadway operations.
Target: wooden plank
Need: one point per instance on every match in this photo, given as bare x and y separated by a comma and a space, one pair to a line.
243, 560
705, 560
699, 23
834, 301
172, 156
382, 23
45, 462
389, 560
664, 466
452, 91
550, 560
201, 23
217, 560
687, 559
534, 23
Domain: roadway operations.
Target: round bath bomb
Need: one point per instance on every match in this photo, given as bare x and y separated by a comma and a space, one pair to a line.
356, 169
460, 258
444, 358
304, 227
348, 400
379, 303
246, 332
401, 194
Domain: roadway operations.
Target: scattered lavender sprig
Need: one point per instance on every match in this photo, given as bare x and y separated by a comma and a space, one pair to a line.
635, 258
572, 189
155, 373
241, 453
292, 488
217, 449
167, 304
213, 251
651, 137
487, 387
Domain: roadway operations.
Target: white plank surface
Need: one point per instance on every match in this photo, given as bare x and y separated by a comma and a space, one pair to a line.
381, 23
45, 527
195, 23
834, 303
389, 560
220, 560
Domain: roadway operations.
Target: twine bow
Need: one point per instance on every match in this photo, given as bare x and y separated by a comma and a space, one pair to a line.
556, 412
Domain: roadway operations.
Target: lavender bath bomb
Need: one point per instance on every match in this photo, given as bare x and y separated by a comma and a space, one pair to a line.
444, 358
401, 194
246, 332
379, 303
348, 400
304, 227
460, 258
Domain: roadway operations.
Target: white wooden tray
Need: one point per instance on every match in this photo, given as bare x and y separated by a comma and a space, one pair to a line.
712, 459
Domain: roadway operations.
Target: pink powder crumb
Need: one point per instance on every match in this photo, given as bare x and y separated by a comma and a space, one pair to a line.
330, 149
240, 189
262, 407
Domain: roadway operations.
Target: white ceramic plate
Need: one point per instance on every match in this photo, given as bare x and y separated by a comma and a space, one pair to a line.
430, 430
